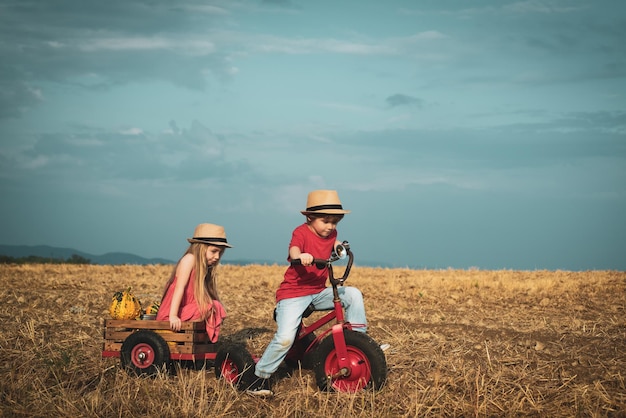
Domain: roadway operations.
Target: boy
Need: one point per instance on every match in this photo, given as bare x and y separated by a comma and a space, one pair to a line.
305, 284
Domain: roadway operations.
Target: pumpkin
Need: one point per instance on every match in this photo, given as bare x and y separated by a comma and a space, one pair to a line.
151, 308
124, 305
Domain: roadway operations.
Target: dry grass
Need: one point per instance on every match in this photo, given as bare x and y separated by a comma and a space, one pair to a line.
464, 343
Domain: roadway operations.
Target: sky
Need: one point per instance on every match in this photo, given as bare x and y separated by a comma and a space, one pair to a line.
485, 134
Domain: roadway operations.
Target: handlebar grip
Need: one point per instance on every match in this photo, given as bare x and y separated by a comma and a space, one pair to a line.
320, 263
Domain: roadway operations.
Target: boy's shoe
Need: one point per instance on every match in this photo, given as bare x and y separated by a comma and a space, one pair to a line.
260, 387
385, 347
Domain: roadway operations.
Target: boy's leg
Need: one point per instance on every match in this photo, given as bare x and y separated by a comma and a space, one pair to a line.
288, 317
351, 299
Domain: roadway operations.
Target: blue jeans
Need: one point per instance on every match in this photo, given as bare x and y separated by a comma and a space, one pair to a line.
289, 314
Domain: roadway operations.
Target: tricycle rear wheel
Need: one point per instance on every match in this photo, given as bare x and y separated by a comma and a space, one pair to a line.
234, 363
298, 356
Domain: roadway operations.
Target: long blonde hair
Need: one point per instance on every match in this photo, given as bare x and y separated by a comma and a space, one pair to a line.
205, 279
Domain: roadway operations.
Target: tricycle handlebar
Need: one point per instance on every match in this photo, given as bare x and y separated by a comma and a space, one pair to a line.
320, 263
339, 253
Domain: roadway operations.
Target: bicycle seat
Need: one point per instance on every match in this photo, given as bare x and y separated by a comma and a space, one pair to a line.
307, 312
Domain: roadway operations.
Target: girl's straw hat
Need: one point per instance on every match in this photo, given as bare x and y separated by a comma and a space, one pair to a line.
324, 202
210, 234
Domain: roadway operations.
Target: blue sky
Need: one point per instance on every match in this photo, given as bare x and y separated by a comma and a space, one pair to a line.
488, 134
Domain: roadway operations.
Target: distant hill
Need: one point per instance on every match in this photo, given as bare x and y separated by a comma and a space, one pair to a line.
56, 253
45, 251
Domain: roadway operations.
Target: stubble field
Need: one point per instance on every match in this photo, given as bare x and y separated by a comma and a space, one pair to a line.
463, 343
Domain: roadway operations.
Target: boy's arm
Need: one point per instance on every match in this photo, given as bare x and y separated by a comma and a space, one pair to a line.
305, 258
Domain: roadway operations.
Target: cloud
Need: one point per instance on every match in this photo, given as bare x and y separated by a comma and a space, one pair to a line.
543, 6
423, 44
65, 160
16, 95
285, 45
538, 43
115, 42
477, 157
184, 46
396, 100
277, 2
512, 8
131, 131
97, 45
602, 121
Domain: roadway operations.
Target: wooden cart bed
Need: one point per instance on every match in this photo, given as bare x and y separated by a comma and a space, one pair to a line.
190, 343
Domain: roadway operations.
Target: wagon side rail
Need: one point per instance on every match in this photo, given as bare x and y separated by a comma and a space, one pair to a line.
190, 343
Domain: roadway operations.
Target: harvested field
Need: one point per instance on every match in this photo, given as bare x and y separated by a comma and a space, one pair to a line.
463, 343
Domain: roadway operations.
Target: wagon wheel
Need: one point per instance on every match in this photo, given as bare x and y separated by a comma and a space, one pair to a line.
367, 367
234, 363
145, 353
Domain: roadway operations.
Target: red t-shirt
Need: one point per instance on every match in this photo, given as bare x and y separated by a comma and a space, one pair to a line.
306, 280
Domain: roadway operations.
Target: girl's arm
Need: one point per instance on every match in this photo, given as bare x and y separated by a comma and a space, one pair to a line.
183, 272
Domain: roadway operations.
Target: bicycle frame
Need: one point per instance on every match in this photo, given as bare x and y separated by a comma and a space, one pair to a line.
336, 314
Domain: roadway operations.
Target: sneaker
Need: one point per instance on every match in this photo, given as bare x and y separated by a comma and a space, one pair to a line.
260, 387
385, 347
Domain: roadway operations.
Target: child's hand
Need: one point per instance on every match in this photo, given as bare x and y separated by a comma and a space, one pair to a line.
175, 323
306, 259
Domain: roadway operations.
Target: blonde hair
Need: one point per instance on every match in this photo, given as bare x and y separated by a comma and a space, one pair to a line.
205, 279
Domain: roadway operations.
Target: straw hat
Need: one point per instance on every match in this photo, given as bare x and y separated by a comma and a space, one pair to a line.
210, 234
324, 202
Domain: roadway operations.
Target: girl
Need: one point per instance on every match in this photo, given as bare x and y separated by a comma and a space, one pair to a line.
191, 291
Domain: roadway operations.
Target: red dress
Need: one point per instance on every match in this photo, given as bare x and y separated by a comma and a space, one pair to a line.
189, 311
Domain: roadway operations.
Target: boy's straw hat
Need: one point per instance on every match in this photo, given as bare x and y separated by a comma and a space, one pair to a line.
324, 202
210, 234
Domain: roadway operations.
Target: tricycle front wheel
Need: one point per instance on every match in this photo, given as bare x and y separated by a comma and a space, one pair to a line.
367, 366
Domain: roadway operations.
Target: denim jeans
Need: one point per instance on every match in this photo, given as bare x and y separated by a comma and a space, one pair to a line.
289, 314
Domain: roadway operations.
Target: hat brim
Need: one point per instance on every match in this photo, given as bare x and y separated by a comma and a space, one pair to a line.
216, 243
325, 212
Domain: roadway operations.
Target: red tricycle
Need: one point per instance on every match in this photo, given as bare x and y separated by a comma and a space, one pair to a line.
343, 360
